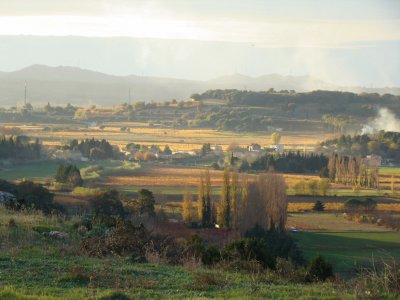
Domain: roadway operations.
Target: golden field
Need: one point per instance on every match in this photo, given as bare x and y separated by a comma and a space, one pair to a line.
178, 139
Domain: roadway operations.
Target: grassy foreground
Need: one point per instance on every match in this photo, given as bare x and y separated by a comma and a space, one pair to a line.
33, 266
54, 277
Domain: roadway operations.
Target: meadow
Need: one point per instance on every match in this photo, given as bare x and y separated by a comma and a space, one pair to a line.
36, 267
350, 251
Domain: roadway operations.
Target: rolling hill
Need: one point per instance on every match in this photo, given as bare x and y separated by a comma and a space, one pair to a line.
61, 85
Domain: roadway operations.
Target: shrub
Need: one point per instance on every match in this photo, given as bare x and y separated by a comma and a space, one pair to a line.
106, 207
249, 249
70, 174
374, 284
367, 205
34, 195
319, 270
124, 239
144, 203
286, 270
196, 247
264, 247
281, 244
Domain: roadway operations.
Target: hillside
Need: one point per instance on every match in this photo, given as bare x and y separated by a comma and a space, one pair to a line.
61, 85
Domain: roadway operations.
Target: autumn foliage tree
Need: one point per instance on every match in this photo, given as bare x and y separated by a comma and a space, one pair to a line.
265, 204
187, 207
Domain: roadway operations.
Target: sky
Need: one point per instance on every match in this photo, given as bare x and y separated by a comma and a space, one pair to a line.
347, 42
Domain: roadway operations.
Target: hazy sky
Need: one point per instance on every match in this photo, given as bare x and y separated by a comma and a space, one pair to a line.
355, 42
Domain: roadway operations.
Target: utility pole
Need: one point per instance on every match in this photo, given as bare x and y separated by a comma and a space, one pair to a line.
25, 94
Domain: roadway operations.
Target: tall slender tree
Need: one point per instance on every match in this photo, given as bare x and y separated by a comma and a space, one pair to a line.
235, 200
187, 206
200, 199
224, 213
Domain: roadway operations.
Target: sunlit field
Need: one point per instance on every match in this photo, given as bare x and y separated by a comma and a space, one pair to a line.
178, 139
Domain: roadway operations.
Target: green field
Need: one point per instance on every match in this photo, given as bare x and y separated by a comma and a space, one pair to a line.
38, 171
56, 277
41, 171
389, 171
348, 251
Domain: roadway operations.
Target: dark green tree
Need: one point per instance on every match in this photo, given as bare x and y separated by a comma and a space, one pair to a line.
34, 195
319, 270
318, 206
69, 174
107, 206
146, 202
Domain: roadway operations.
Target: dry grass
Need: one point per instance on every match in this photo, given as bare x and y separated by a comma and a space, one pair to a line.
165, 177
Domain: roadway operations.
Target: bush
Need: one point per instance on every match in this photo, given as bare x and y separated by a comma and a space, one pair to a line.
35, 196
286, 270
249, 249
69, 174
280, 243
367, 205
319, 270
124, 239
374, 284
144, 203
196, 247
107, 207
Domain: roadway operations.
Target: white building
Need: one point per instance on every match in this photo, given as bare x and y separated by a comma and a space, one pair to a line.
279, 148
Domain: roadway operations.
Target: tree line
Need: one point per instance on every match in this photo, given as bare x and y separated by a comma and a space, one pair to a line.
291, 162
351, 170
386, 144
260, 200
19, 147
92, 149
324, 101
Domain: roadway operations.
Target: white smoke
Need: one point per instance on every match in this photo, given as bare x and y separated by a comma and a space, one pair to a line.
385, 120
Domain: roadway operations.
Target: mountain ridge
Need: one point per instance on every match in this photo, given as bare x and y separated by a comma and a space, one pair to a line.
66, 84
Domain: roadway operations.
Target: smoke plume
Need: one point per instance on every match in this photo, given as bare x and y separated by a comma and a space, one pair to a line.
385, 120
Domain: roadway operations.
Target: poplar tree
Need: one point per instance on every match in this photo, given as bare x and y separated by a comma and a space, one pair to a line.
187, 207
224, 213
332, 167
235, 205
208, 208
200, 199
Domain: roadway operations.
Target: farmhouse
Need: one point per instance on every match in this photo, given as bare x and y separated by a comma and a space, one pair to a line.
254, 148
279, 148
374, 160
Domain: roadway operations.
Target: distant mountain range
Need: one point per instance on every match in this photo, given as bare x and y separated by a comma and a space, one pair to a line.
61, 85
